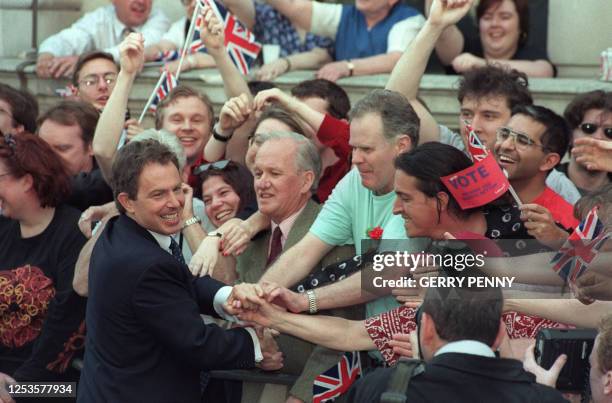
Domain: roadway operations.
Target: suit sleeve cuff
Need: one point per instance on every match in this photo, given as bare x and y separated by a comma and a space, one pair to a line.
220, 297
256, 345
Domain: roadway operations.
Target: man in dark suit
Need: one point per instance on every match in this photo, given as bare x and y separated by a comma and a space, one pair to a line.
146, 340
459, 329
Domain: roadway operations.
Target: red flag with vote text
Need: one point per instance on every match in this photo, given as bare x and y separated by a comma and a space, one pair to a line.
477, 185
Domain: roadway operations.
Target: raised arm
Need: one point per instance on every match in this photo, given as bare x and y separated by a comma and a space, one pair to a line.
108, 131
406, 75
298, 11
451, 41
570, 311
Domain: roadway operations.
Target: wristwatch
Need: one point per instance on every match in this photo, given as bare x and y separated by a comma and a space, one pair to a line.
215, 233
217, 136
351, 67
312, 302
191, 221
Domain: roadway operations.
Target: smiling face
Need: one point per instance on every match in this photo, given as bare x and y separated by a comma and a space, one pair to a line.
189, 119
418, 211
93, 87
159, 201
221, 201
373, 154
280, 188
500, 30
67, 142
133, 13
523, 162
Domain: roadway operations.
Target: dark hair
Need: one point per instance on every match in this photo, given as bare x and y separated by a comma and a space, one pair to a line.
337, 99
398, 117
24, 106
130, 162
428, 163
465, 313
238, 177
601, 198
27, 154
256, 86
492, 80
182, 91
87, 57
556, 138
575, 110
70, 113
280, 114
522, 9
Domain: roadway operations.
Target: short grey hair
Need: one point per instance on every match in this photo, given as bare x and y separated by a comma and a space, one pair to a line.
168, 139
307, 156
397, 115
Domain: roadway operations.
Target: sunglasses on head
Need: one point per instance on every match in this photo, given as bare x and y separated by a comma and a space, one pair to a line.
219, 165
590, 128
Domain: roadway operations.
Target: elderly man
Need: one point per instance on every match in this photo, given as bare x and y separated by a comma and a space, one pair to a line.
287, 171
69, 128
103, 29
369, 36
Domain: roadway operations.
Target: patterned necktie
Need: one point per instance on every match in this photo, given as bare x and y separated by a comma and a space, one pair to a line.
276, 247
176, 251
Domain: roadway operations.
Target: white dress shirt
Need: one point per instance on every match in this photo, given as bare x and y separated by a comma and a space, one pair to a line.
219, 299
467, 347
102, 30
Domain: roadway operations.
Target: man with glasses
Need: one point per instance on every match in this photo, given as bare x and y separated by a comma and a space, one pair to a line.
103, 29
528, 147
94, 78
588, 115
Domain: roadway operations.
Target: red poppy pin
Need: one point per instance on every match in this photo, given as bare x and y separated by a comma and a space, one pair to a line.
374, 233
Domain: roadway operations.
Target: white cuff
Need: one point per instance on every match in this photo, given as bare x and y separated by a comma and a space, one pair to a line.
256, 345
220, 297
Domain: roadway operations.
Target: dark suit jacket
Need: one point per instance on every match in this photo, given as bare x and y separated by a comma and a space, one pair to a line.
455, 377
301, 358
146, 341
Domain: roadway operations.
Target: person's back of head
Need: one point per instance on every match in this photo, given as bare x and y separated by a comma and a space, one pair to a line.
600, 376
495, 81
466, 312
23, 110
397, 115
338, 103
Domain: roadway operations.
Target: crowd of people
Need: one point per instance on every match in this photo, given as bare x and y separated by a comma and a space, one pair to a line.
139, 262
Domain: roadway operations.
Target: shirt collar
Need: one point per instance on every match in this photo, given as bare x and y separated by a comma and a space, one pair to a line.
467, 347
162, 240
287, 224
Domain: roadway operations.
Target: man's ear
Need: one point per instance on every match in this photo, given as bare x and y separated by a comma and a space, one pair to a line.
308, 179
126, 202
403, 143
549, 162
428, 330
90, 151
501, 333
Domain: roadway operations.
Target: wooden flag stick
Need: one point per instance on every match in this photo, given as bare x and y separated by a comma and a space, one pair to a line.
188, 38
152, 97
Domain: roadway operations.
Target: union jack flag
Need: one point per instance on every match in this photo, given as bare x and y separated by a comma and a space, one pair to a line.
239, 41
337, 379
67, 92
168, 82
475, 147
167, 56
574, 257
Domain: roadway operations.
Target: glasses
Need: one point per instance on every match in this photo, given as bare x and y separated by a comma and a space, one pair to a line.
220, 165
590, 128
521, 140
92, 80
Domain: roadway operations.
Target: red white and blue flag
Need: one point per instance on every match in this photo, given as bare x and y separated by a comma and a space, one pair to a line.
167, 55
239, 41
68, 91
579, 250
475, 147
337, 379
168, 82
